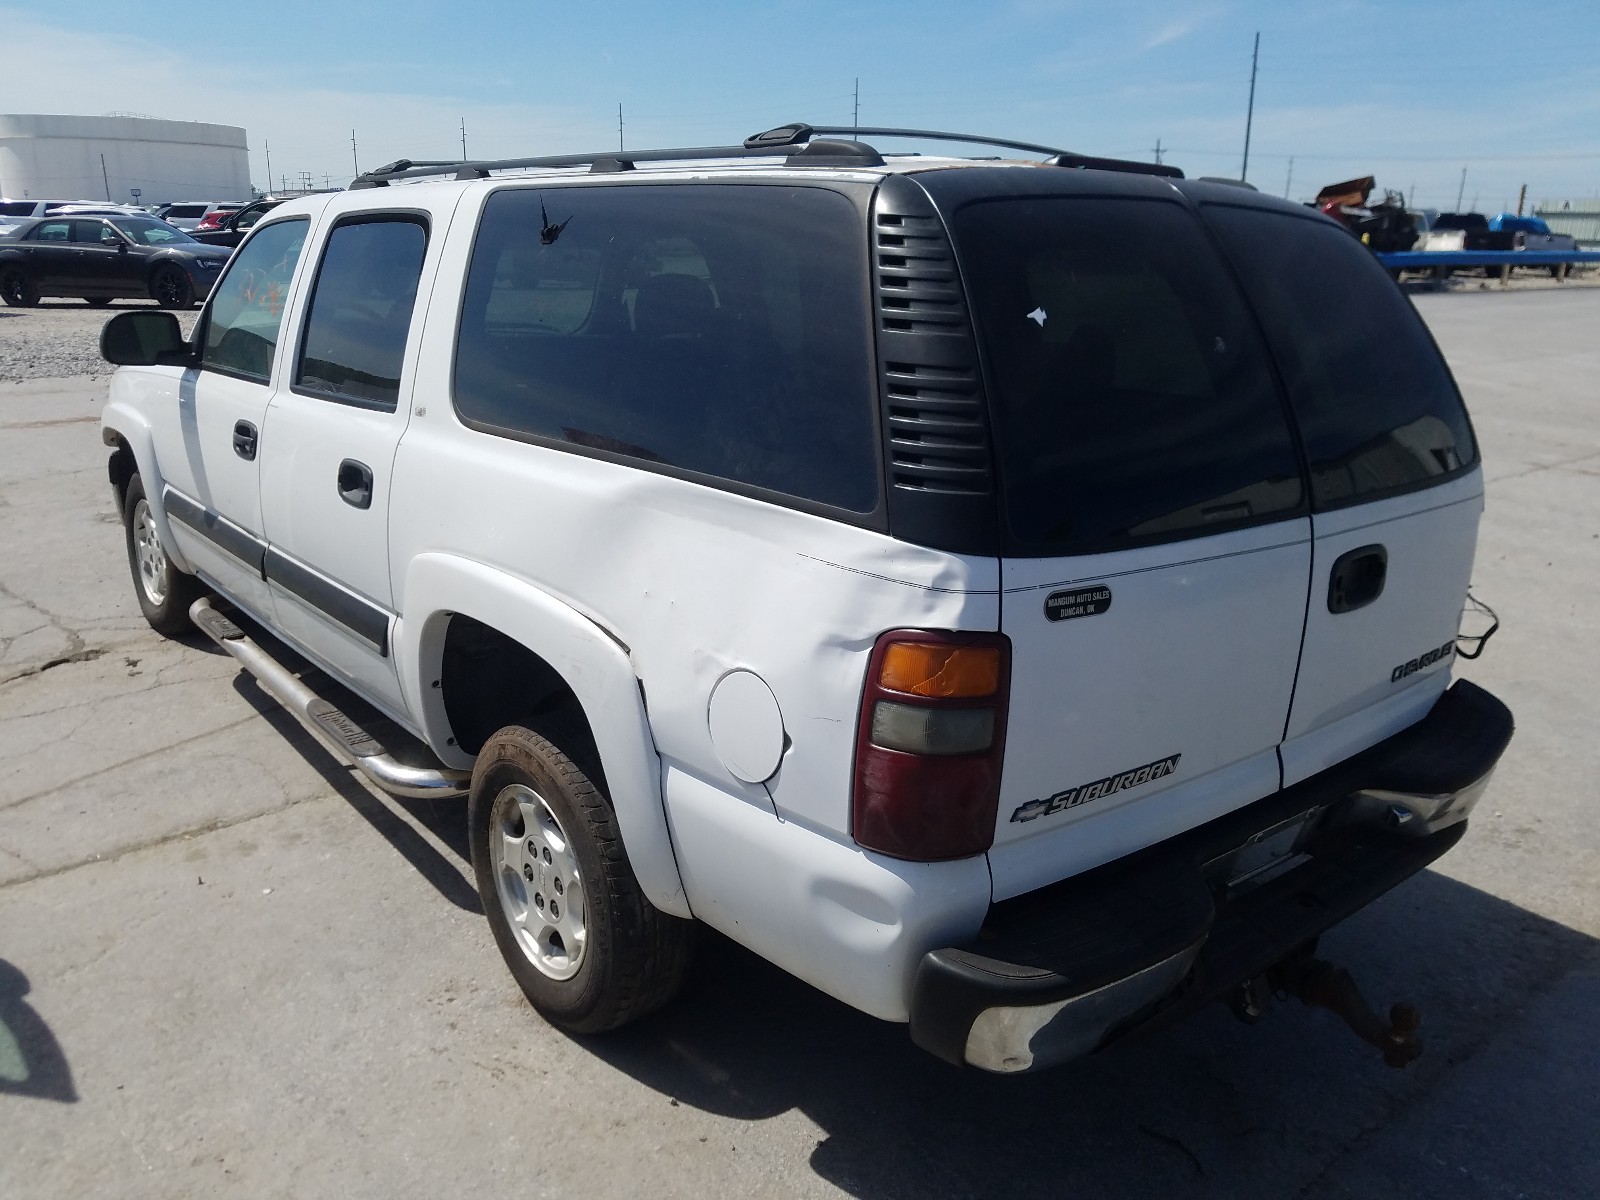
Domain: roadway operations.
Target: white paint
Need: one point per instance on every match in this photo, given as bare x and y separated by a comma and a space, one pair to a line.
746, 726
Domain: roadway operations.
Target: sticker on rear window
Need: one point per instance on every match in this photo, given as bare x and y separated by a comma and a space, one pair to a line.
1078, 602
1086, 792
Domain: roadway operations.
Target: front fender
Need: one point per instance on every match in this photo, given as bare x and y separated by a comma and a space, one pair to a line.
123, 421
594, 666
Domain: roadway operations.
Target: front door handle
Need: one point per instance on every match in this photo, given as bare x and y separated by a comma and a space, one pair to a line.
1357, 578
244, 440
355, 483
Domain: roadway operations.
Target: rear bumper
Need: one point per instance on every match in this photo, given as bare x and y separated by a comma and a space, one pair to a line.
1138, 943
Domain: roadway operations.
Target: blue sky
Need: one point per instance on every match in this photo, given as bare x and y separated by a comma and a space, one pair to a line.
1411, 92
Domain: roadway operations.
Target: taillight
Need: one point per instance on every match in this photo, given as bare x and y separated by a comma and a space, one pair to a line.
929, 744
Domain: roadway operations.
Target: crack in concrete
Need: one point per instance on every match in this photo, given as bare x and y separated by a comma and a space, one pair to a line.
88, 654
126, 762
217, 826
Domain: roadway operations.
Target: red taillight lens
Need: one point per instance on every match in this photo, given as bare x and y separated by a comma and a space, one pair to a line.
929, 744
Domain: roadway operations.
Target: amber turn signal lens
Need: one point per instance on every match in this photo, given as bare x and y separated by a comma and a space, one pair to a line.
940, 672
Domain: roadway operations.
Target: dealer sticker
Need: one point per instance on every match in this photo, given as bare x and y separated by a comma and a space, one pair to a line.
1078, 602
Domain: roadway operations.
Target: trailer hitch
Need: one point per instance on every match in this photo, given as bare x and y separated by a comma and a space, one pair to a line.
1322, 985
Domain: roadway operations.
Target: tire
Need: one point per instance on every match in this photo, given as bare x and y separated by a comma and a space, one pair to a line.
170, 287
16, 289
164, 592
98, 301
588, 966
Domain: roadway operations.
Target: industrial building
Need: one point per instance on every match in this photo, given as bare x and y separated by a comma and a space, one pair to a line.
123, 159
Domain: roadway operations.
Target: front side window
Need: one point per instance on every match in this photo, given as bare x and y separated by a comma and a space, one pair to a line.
1376, 406
152, 233
711, 329
360, 311
245, 315
1133, 399
90, 233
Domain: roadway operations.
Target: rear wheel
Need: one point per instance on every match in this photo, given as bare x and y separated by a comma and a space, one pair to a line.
580, 938
16, 289
170, 287
164, 592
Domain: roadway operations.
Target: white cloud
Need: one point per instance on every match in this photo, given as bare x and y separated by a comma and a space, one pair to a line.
307, 122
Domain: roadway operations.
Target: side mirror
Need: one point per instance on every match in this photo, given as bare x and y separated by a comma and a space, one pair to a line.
110, 239
144, 339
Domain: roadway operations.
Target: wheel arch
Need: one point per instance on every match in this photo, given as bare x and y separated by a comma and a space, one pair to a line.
133, 451
572, 660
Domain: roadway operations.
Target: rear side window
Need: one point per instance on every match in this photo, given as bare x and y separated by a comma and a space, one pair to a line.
16, 208
1377, 409
360, 311
245, 314
1132, 398
713, 329
187, 210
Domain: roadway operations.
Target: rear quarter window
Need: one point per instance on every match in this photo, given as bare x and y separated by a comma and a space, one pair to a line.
1377, 409
715, 330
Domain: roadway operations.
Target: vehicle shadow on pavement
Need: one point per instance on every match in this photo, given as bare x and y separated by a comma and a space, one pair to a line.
31, 1061
1211, 1107
446, 819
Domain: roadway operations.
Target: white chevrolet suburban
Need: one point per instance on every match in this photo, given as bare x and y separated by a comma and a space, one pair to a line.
1017, 597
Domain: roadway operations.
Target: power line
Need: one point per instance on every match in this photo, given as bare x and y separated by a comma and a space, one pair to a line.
1250, 111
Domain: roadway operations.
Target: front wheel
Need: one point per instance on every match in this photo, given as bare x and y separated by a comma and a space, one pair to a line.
16, 289
170, 287
583, 942
164, 592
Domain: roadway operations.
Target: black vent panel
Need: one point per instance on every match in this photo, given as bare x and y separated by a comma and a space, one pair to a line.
935, 418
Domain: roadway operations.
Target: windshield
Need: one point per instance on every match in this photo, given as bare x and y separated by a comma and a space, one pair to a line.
148, 232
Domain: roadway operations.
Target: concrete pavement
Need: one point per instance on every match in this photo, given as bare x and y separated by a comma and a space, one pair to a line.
227, 967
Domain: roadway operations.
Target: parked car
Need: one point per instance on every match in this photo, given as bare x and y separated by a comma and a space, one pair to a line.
189, 214
234, 225
102, 259
1019, 599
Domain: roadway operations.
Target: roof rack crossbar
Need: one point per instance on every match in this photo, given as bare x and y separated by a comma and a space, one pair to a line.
935, 135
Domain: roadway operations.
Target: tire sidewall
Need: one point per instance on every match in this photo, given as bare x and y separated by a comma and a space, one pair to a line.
171, 616
186, 293
571, 1004
21, 294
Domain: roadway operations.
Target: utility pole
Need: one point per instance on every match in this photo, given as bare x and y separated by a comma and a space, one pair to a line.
1460, 191
283, 183
1411, 196
353, 157
855, 113
1157, 152
619, 126
268, 146
1522, 196
104, 178
1288, 179
1250, 111
463, 139
325, 178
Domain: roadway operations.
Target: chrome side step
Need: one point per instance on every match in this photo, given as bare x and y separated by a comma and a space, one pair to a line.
343, 735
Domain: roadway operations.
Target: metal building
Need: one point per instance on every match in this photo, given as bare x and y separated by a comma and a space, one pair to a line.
1580, 218
122, 159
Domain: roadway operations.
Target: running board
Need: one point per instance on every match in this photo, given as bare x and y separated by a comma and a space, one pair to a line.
353, 743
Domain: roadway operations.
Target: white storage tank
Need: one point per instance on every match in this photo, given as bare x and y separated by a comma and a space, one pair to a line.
45, 157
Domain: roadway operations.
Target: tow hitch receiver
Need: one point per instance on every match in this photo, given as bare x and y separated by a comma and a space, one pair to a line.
1322, 985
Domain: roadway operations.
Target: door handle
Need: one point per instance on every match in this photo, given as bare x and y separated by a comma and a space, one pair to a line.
244, 440
355, 483
1357, 578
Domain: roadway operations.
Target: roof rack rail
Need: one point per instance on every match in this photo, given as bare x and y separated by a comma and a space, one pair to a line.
831, 148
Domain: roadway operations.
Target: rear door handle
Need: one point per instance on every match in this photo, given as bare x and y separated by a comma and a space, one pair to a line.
1357, 578
244, 440
355, 483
